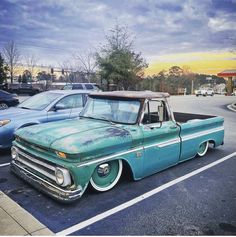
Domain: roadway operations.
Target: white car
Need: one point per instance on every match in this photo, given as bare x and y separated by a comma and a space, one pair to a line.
204, 92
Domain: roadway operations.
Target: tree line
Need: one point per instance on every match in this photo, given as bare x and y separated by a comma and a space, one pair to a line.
114, 65
177, 79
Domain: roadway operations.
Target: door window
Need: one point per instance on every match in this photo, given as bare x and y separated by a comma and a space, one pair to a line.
78, 87
155, 111
71, 101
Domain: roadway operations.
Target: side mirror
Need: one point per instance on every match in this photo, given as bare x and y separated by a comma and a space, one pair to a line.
59, 107
161, 113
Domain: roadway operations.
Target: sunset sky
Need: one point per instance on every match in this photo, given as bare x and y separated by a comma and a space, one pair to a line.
197, 33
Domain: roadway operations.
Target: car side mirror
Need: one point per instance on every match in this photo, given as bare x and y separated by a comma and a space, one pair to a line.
59, 107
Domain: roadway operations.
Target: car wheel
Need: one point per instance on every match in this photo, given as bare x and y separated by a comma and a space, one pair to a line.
203, 149
3, 106
106, 175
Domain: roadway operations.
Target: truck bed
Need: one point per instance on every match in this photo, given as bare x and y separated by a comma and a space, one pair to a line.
186, 117
196, 129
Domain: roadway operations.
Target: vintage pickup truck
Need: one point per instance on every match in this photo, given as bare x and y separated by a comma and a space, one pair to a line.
136, 129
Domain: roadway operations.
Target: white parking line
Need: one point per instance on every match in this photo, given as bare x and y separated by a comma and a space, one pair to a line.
5, 164
144, 196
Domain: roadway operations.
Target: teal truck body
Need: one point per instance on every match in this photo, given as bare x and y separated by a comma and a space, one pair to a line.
136, 129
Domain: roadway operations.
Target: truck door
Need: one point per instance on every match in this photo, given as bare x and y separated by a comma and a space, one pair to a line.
160, 138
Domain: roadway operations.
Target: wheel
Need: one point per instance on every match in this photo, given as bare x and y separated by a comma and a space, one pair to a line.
3, 106
106, 175
203, 149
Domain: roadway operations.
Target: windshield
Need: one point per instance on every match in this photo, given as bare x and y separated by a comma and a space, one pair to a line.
118, 111
39, 101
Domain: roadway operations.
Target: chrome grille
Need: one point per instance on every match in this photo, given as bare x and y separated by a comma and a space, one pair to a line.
39, 166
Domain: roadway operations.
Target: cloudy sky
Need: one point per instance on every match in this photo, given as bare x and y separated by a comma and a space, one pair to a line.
198, 33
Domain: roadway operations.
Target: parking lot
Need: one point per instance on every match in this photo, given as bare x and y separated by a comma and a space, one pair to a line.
197, 197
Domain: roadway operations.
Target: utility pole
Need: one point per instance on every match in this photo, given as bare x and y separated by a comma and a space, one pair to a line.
192, 88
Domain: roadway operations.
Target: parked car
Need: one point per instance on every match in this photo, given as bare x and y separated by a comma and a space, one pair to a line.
4, 86
81, 86
41, 108
7, 100
205, 92
24, 88
115, 128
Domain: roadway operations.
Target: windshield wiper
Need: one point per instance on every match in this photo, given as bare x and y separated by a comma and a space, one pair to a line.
98, 118
107, 119
87, 117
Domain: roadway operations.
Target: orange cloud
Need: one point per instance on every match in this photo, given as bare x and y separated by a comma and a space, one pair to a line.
201, 62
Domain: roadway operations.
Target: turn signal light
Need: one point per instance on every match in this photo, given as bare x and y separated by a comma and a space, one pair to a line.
61, 154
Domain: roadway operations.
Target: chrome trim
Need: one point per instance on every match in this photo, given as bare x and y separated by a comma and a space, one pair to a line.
170, 111
165, 143
45, 186
66, 176
160, 144
36, 160
38, 169
45, 181
199, 134
106, 158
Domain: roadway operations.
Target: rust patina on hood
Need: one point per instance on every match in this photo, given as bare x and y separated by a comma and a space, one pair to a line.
83, 136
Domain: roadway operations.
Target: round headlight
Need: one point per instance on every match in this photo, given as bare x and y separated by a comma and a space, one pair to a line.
59, 176
14, 153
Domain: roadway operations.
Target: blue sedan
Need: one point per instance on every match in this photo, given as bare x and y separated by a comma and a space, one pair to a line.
42, 108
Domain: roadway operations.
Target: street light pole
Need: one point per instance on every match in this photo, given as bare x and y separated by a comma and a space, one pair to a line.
192, 87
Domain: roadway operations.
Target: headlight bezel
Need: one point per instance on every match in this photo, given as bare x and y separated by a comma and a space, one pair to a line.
65, 179
59, 180
14, 153
4, 122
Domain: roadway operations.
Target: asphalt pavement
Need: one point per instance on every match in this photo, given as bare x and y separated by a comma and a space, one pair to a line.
197, 197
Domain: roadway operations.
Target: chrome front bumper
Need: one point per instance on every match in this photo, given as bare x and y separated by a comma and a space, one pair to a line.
45, 186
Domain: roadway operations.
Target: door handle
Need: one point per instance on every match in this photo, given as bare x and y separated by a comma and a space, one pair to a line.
173, 126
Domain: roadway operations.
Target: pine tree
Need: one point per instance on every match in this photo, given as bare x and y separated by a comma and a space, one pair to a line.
3, 70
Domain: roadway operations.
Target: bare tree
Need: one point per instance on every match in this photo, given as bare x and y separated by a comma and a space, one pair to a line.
31, 62
12, 57
67, 69
119, 38
85, 61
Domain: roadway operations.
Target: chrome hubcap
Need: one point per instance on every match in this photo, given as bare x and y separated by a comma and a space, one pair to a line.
103, 170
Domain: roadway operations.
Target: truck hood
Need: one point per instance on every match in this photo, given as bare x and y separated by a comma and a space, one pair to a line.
85, 137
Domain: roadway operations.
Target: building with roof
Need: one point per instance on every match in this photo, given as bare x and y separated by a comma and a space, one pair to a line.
230, 76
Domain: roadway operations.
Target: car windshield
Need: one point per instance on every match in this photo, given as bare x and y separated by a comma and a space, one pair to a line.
118, 111
39, 101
